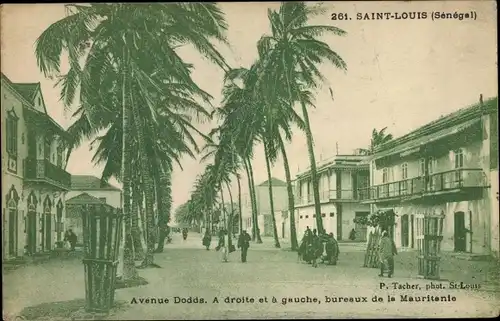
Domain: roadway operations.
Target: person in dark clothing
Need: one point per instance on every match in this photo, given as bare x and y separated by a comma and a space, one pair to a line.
315, 248
184, 233
352, 235
332, 250
244, 244
387, 250
207, 239
70, 237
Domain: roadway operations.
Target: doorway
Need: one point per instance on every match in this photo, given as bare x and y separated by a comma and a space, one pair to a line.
405, 231
360, 229
460, 232
59, 226
412, 231
31, 229
13, 223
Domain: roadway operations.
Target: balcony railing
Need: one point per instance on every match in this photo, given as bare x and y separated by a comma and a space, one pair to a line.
406, 187
449, 180
44, 170
457, 178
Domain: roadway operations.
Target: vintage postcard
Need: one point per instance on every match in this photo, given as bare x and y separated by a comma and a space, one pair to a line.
250, 160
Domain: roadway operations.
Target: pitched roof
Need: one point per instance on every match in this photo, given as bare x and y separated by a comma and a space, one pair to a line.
84, 198
274, 182
27, 90
89, 182
464, 114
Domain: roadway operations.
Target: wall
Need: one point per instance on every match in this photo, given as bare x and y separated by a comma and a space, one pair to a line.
495, 215
280, 199
11, 99
113, 197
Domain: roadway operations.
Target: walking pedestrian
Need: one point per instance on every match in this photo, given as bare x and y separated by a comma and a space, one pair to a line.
207, 239
387, 250
244, 244
225, 246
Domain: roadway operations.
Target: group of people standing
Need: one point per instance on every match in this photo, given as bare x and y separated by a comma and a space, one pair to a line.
314, 247
225, 244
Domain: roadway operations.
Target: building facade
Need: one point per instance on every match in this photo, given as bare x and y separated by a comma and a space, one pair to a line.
280, 202
88, 189
339, 181
34, 181
91, 185
447, 167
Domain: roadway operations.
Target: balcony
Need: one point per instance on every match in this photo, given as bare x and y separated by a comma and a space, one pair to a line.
342, 195
456, 179
43, 171
327, 196
453, 180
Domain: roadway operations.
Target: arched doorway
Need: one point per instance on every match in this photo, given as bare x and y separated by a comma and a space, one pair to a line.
31, 223
12, 208
59, 227
47, 224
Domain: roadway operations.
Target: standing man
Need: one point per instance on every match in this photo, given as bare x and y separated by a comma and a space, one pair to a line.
316, 248
244, 244
387, 250
225, 246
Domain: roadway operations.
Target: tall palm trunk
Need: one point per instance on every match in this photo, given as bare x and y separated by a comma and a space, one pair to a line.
223, 207
148, 187
314, 174
129, 271
164, 205
256, 216
271, 200
231, 215
291, 204
136, 232
239, 203
249, 179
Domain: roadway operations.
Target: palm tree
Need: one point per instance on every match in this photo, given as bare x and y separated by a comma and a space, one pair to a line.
291, 53
108, 38
378, 138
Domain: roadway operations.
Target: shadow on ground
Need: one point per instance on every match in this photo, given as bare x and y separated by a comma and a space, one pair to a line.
66, 310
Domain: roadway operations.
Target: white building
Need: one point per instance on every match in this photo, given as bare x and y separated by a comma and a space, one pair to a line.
91, 185
339, 181
280, 202
448, 167
34, 182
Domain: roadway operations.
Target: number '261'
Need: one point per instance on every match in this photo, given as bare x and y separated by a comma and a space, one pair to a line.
339, 16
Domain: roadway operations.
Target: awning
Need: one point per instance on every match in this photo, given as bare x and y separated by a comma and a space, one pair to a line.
414, 146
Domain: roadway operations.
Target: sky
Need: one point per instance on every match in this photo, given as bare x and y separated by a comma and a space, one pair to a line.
400, 74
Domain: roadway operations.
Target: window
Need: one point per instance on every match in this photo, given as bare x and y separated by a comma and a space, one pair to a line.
11, 133
421, 167
39, 101
431, 165
331, 214
59, 156
459, 158
314, 215
46, 151
404, 171
323, 214
103, 199
307, 216
301, 216
384, 175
